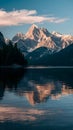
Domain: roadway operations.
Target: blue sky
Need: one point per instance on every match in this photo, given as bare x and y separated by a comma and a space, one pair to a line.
19, 15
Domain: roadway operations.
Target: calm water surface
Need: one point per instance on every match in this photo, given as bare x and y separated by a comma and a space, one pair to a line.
36, 99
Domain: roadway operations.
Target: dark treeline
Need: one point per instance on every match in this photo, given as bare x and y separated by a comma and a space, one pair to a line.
10, 55
62, 58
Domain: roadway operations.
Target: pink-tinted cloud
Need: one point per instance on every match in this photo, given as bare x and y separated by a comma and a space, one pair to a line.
20, 17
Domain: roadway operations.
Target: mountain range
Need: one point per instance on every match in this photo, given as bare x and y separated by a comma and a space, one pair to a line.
42, 47
37, 37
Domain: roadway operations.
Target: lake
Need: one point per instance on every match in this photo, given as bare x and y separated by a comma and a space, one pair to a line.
34, 99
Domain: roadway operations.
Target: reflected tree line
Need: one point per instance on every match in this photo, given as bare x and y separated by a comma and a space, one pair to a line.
38, 85
9, 78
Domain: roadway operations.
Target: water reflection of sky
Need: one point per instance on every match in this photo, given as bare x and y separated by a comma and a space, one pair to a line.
38, 99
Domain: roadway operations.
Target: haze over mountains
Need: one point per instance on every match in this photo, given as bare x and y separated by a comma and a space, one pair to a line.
39, 44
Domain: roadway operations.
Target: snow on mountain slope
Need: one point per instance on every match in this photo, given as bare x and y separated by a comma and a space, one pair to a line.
57, 34
37, 33
37, 37
18, 36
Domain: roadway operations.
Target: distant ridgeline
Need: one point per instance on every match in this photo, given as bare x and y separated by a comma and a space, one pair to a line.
10, 54
42, 56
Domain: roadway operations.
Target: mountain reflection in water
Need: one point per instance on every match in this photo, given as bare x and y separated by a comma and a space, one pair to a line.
36, 95
36, 85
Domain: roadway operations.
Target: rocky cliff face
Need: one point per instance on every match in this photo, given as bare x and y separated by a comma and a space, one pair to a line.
2, 40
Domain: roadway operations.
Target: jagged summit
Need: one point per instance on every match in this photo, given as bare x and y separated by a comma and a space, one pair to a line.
38, 37
45, 31
33, 32
37, 33
18, 36
34, 26
57, 34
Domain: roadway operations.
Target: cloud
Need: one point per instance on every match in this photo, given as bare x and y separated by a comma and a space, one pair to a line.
61, 20
20, 17
18, 114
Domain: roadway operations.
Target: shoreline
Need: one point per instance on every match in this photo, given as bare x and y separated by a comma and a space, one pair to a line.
35, 67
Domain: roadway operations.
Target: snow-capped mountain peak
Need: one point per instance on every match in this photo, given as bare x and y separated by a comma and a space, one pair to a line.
33, 32
38, 37
34, 26
37, 33
18, 36
57, 34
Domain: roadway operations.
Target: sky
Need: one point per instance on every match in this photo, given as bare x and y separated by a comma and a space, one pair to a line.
18, 15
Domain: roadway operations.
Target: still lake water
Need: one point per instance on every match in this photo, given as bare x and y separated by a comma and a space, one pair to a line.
36, 99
